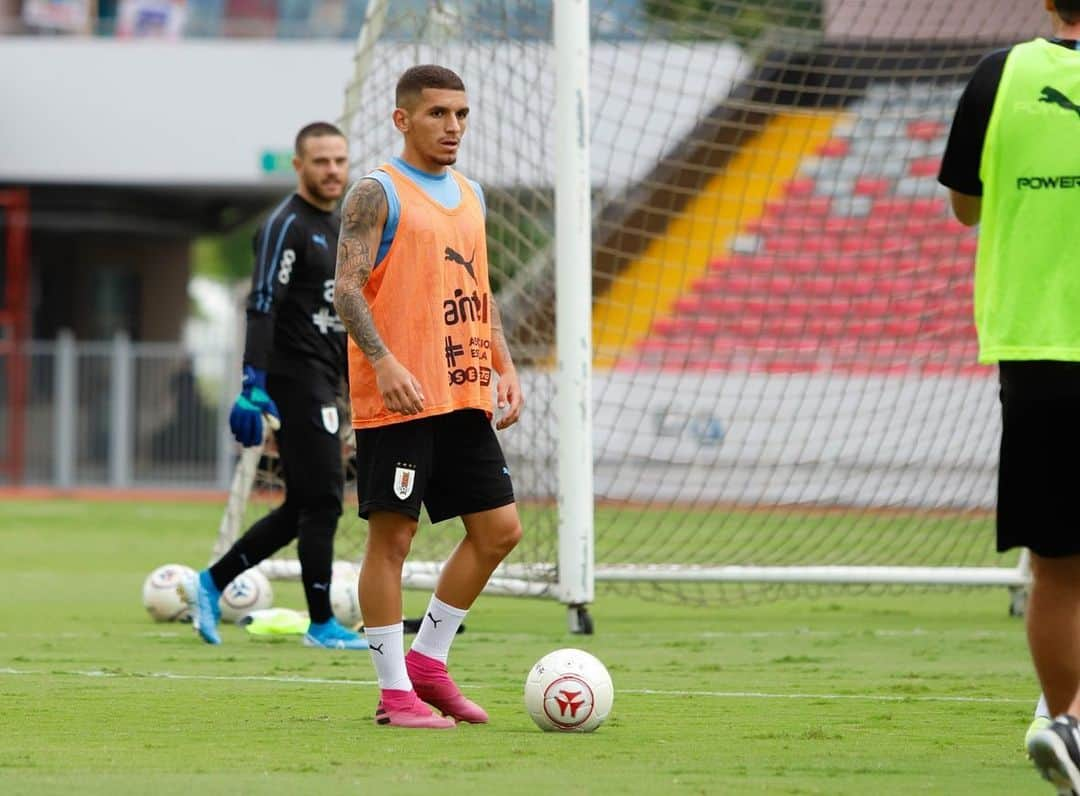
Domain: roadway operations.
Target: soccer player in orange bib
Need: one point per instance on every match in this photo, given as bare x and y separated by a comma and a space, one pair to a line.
426, 346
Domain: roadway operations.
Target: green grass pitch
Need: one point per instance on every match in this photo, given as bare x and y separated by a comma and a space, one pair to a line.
900, 693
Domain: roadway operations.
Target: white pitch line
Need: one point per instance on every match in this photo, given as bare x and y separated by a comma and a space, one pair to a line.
863, 697
798, 632
294, 680
238, 678
917, 632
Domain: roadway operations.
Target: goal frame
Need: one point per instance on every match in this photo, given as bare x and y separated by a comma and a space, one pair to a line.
572, 578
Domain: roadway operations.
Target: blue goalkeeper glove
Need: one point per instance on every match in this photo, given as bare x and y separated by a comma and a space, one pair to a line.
246, 417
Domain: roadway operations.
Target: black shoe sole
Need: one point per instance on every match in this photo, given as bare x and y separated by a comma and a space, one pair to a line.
1051, 758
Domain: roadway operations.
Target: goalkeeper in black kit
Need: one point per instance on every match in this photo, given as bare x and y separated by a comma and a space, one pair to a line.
294, 371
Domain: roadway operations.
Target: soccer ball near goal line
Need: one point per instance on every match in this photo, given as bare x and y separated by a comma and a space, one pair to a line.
159, 594
569, 690
344, 595
249, 591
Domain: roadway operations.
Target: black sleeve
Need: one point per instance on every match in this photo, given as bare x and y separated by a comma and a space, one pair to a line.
277, 243
963, 153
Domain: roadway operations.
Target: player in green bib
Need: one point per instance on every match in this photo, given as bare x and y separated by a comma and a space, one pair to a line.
1012, 166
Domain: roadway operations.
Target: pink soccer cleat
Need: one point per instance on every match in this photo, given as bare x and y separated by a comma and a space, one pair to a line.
404, 709
434, 686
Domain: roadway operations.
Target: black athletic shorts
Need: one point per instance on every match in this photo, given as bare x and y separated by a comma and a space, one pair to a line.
451, 463
1039, 472
308, 440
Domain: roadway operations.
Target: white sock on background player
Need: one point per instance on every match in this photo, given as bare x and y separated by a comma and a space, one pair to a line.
1042, 709
437, 630
387, 647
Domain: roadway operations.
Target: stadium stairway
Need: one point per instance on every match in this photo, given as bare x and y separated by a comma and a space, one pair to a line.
856, 265
673, 260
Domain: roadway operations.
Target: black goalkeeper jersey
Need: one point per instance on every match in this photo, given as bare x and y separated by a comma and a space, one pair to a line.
292, 328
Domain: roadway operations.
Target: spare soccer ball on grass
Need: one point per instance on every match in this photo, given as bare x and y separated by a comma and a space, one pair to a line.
569, 690
249, 591
344, 594
159, 595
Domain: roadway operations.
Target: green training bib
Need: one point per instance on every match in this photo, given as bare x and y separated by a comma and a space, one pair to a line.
1027, 272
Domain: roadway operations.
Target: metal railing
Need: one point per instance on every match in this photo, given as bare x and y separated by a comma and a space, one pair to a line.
118, 414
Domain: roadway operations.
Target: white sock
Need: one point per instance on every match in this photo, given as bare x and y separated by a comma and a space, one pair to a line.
1042, 709
437, 631
388, 654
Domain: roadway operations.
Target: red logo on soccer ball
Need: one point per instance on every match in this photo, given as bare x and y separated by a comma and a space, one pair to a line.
568, 702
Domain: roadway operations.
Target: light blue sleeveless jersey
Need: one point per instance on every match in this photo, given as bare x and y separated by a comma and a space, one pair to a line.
442, 188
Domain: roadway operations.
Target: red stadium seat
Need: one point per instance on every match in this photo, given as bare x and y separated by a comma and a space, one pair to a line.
910, 307
968, 246
785, 326
879, 283
708, 284
722, 306
828, 328
872, 307
925, 167
800, 187
872, 186
866, 327
786, 244
903, 327
835, 148
925, 130
670, 326
687, 305
897, 207
856, 286
796, 205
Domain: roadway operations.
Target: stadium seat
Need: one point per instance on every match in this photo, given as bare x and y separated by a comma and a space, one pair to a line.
924, 130
925, 167
856, 264
835, 148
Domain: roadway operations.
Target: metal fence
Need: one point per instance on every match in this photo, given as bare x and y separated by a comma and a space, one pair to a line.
116, 413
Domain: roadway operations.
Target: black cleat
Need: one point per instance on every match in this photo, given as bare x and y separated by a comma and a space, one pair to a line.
1055, 751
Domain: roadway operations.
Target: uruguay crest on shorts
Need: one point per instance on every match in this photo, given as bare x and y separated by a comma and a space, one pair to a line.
404, 478
330, 419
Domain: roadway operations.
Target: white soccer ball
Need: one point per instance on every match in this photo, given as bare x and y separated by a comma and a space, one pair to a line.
159, 595
569, 690
249, 591
344, 594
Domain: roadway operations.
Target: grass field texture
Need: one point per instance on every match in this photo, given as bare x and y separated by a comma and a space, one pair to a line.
902, 693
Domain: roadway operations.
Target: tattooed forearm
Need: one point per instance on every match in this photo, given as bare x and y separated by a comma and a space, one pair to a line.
500, 351
353, 270
359, 226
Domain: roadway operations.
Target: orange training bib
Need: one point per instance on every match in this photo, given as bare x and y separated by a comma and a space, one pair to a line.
431, 302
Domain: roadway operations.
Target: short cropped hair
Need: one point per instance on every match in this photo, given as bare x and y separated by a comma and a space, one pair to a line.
314, 130
1068, 10
417, 78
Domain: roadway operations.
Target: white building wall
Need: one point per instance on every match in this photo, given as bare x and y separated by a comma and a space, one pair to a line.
204, 112
189, 113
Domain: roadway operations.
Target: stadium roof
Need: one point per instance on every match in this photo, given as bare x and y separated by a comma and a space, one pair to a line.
933, 20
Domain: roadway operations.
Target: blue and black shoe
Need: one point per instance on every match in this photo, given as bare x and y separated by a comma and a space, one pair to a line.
332, 635
202, 597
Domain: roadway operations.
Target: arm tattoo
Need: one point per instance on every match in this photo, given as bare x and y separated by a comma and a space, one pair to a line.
500, 351
355, 259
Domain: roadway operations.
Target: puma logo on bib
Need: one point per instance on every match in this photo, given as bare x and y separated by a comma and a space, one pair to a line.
1052, 96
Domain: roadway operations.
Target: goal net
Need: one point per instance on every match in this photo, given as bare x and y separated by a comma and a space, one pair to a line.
785, 388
